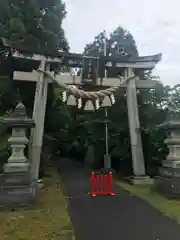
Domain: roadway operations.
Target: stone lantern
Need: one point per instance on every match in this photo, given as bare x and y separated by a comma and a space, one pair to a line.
169, 180
16, 185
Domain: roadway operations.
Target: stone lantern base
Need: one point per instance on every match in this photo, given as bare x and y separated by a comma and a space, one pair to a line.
17, 189
168, 186
168, 183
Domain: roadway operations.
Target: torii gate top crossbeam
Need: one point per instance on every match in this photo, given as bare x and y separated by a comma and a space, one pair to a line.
76, 60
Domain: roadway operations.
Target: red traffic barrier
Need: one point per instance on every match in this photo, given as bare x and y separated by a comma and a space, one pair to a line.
101, 184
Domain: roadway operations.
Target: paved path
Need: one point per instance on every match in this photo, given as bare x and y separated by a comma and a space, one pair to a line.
123, 217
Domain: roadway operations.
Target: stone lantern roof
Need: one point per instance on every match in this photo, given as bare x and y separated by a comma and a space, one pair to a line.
17, 118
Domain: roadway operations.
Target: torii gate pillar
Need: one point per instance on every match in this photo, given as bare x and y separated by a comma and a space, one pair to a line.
140, 176
39, 110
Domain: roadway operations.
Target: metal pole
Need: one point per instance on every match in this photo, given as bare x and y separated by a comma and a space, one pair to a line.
107, 158
105, 53
106, 111
106, 131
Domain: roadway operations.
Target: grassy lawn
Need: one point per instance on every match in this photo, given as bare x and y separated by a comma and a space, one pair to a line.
48, 221
167, 207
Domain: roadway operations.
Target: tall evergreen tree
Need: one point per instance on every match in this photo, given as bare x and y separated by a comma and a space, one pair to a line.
120, 42
35, 23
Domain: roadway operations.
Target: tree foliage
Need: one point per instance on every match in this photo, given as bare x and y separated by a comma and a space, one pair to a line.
119, 42
37, 24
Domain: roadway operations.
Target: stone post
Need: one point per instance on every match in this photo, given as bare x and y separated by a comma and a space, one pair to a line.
38, 116
168, 181
16, 184
140, 176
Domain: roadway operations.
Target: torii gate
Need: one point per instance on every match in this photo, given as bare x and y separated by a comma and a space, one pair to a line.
129, 82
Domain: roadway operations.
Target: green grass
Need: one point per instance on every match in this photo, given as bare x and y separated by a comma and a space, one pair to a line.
170, 208
48, 221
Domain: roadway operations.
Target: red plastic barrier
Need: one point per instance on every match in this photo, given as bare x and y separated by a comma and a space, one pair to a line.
101, 184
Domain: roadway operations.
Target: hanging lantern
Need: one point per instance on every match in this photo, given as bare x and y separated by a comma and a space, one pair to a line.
64, 96
89, 106
106, 102
79, 102
71, 100
112, 98
97, 104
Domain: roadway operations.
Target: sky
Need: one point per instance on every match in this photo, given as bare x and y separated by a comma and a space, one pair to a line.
154, 24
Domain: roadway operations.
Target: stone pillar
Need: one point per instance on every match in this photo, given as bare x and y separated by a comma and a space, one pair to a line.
38, 117
135, 135
169, 180
16, 184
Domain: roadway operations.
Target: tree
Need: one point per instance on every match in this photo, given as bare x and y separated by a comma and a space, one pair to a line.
120, 42
35, 24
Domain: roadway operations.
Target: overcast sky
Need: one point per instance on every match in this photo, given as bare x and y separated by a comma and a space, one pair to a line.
154, 24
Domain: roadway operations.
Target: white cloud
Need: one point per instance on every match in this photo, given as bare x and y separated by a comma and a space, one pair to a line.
154, 24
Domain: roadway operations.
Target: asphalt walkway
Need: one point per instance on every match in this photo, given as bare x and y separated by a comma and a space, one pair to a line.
123, 217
